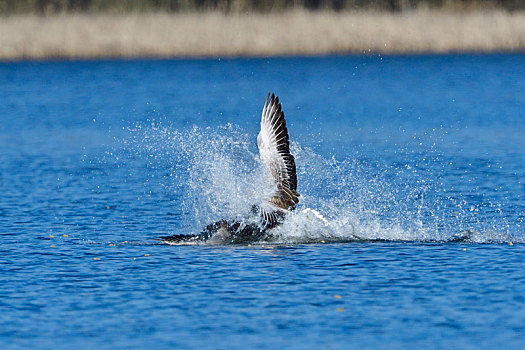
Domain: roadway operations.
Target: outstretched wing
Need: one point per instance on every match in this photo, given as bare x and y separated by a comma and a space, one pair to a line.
274, 149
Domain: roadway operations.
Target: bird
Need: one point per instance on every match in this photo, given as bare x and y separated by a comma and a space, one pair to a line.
279, 163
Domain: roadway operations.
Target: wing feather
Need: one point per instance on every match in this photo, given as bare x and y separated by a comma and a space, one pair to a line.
274, 150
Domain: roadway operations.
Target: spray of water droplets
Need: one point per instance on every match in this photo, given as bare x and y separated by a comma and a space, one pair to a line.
216, 174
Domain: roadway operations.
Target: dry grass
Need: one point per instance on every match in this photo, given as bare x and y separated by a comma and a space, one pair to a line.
290, 33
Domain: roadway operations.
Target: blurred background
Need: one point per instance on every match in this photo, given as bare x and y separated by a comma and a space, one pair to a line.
51, 6
49, 29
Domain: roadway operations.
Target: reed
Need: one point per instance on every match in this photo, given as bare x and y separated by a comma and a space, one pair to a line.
297, 32
121, 6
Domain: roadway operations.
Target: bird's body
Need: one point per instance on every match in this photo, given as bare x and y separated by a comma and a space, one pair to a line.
274, 151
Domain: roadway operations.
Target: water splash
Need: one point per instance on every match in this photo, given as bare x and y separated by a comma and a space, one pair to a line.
217, 174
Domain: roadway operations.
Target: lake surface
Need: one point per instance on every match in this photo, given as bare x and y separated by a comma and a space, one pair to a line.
419, 161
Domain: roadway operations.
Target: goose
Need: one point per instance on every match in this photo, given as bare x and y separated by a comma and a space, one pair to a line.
274, 151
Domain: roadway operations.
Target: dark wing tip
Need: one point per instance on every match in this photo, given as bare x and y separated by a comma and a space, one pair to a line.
266, 101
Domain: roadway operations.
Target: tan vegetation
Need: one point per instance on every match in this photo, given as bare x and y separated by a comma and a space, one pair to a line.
297, 32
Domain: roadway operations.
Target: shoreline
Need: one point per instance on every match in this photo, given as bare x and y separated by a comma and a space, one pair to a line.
53, 59
292, 33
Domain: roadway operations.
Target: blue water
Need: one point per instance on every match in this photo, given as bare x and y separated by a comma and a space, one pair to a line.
420, 157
